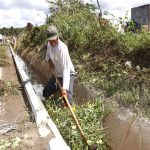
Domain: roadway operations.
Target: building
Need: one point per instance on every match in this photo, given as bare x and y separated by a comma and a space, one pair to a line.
141, 15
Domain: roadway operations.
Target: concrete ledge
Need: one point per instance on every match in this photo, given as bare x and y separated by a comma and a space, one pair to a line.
44, 123
56, 144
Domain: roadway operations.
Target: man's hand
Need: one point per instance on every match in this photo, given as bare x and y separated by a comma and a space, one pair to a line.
51, 65
64, 92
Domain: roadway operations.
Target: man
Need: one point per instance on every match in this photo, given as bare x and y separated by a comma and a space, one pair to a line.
59, 60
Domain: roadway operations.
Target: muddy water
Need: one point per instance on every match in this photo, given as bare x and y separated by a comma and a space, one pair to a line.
127, 132
124, 130
36, 78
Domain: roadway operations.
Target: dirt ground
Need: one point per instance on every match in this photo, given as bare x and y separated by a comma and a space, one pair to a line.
15, 111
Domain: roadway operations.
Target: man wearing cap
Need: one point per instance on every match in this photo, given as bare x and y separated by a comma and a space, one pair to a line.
58, 58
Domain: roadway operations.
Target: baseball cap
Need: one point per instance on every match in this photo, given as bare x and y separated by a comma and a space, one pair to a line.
52, 33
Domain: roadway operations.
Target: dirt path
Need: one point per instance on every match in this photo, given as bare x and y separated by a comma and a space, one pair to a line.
13, 109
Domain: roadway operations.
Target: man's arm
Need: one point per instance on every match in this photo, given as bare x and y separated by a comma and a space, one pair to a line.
65, 63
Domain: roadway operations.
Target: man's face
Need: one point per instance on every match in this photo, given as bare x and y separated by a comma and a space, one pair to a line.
53, 43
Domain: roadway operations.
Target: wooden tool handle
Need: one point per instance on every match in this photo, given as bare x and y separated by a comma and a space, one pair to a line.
73, 114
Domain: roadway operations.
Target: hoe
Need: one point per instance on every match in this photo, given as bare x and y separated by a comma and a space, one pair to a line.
90, 147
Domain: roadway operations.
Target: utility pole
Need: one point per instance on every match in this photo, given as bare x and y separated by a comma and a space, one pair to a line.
99, 6
149, 18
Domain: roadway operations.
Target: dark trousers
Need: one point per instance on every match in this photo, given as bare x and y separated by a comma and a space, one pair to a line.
51, 87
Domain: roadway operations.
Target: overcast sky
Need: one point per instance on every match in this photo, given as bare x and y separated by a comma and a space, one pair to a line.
17, 13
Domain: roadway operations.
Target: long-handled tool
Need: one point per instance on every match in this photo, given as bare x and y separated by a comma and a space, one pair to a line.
90, 147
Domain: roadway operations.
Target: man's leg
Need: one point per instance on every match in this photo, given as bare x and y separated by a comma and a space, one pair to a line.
50, 88
70, 91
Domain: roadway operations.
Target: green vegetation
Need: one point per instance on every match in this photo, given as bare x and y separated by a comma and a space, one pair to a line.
3, 52
90, 116
3, 61
11, 31
10, 143
8, 88
99, 54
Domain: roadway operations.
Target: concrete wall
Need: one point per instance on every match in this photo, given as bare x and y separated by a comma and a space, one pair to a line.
141, 15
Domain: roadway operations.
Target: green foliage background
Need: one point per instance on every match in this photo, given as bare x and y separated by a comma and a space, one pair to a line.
99, 53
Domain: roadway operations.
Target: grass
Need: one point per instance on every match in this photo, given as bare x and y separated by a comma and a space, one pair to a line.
90, 116
10, 143
130, 88
3, 57
9, 88
3, 50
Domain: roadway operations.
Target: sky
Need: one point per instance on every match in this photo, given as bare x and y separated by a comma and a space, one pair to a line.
17, 13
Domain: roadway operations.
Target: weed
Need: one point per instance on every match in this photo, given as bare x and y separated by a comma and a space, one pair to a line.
10, 143
90, 116
3, 52
8, 88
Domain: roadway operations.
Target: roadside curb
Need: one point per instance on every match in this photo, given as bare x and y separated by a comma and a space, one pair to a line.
44, 123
